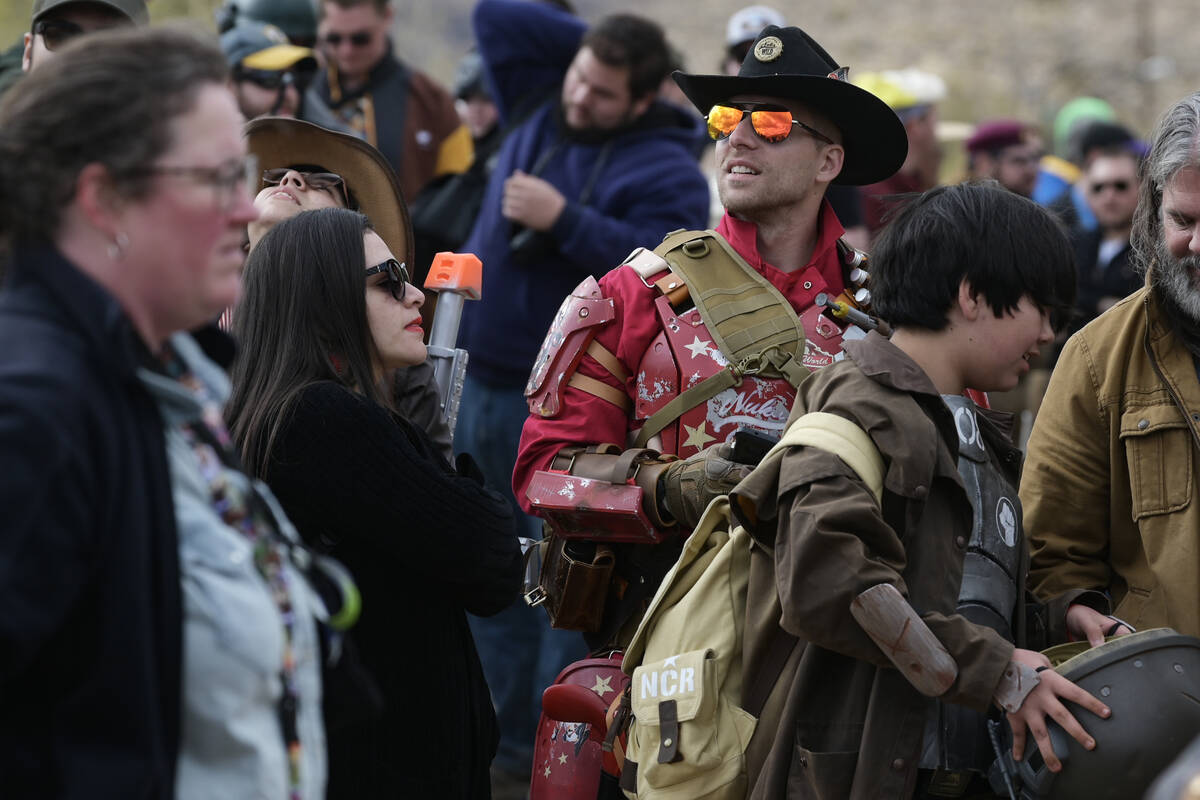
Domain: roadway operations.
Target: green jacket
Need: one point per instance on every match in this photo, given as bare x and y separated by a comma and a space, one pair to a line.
1109, 488
841, 722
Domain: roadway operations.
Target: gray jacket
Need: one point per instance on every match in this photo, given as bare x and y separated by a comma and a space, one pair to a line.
233, 640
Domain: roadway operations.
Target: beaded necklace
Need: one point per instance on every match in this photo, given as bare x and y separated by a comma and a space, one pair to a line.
242, 509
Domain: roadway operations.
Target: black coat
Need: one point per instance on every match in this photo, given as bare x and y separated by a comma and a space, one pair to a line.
425, 544
1118, 278
89, 573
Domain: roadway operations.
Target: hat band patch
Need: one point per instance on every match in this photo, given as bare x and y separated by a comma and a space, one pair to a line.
768, 48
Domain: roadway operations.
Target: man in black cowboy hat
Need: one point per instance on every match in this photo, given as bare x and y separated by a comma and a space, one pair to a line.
787, 126
679, 348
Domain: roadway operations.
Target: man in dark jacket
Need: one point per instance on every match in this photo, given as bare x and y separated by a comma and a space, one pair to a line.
1107, 271
376, 95
595, 167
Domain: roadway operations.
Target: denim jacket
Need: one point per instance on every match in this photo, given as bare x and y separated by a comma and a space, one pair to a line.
232, 744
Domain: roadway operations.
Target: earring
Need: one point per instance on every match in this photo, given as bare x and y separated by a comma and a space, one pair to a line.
117, 248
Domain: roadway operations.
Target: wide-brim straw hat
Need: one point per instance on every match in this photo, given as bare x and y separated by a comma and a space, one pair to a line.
286, 142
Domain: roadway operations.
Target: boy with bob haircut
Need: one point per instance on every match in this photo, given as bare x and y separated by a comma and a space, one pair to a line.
973, 280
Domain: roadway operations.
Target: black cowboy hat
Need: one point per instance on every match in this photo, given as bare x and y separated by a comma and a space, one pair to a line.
787, 63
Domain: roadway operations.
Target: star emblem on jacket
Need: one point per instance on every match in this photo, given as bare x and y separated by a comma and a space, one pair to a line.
697, 437
603, 685
698, 347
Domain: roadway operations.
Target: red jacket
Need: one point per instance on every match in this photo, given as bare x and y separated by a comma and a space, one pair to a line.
587, 419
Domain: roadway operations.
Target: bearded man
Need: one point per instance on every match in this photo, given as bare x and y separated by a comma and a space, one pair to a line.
1110, 490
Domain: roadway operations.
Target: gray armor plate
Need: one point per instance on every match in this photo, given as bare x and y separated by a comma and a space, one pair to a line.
955, 737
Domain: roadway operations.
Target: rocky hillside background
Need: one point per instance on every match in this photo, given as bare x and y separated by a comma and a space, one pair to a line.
999, 57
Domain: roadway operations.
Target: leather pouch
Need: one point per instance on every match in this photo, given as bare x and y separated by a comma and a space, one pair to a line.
575, 581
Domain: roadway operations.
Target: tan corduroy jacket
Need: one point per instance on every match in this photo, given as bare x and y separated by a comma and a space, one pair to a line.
1109, 487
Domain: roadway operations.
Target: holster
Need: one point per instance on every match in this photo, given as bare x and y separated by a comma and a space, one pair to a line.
574, 583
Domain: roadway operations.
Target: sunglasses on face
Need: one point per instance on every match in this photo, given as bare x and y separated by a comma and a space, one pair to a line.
397, 277
324, 181
1118, 186
770, 123
56, 32
357, 39
270, 80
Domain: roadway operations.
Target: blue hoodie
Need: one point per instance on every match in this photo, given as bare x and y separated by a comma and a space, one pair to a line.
645, 183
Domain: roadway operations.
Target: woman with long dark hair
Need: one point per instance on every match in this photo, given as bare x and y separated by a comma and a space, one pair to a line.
327, 311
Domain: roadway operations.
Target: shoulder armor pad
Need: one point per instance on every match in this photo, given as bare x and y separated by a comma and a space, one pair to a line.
570, 333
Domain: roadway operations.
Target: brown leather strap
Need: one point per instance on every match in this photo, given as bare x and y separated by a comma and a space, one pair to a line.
602, 390
623, 466
606, 359
674, 288
668, 726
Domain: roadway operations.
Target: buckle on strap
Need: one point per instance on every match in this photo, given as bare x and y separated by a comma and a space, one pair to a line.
646, 263
535, 597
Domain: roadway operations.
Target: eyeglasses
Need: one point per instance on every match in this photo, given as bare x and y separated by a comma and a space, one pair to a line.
1118, 186
56, 32
324, 181
397, 277
357, 39
770, 123
228, 179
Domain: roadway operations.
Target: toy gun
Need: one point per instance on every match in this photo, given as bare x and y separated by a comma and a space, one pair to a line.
457, 277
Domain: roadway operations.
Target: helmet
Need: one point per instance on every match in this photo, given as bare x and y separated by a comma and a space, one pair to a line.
296, 18
745, 25
568, 762
1151, 681
903, 88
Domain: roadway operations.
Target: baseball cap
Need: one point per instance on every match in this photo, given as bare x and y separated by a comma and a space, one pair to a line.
134, 9
745, 25
257, 45
997, 134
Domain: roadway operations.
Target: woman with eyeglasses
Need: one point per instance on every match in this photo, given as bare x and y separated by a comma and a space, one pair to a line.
327, 311
159, 635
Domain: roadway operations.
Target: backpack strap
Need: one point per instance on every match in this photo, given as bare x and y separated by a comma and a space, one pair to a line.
843, 438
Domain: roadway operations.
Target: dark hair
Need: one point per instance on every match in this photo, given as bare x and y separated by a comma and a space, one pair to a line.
1102, 136
302, 319
1175, 146
380, 6
1003, 245
108, 99
635, 43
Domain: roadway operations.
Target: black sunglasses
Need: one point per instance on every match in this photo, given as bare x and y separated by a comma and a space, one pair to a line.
397, 277
56, 32
274, 80
324, 181
1117, 185
358, 38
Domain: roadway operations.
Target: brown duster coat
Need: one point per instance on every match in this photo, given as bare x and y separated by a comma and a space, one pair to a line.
1110, 488
841, 722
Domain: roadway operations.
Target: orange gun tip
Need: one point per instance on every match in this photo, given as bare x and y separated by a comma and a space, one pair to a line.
456, 272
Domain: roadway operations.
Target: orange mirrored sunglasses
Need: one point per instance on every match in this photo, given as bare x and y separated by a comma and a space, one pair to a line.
770, 123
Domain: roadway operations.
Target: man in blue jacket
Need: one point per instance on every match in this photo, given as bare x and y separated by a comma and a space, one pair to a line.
592, 166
